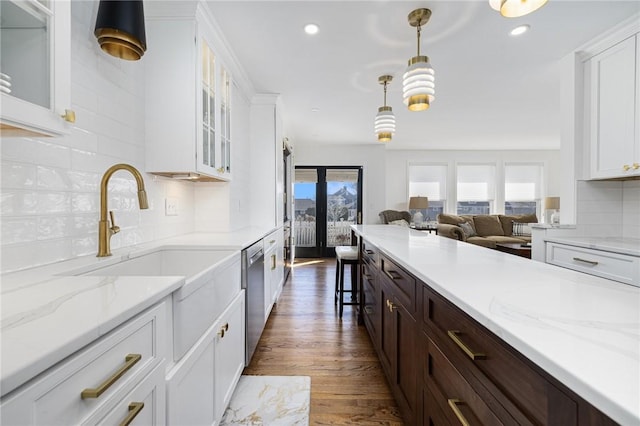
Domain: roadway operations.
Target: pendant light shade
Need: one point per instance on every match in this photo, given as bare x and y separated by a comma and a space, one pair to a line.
120, 28
418, 81
516, 8
385, 122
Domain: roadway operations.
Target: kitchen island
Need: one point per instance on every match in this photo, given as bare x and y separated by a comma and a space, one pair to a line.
579, 333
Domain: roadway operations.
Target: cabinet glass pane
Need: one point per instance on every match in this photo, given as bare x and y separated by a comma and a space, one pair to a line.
205, 147
212, 150
25, 50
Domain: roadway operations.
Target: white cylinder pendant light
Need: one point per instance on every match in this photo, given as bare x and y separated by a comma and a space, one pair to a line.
385, 122
516, 8
418, 81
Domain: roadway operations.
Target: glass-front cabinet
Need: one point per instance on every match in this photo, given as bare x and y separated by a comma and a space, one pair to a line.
34, 67
188, 97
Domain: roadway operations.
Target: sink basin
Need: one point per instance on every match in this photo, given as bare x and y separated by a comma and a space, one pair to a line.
187, 263
212, 280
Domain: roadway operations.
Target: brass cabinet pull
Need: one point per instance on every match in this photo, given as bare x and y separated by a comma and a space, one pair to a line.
134, 410
635, 166
273, 262
453, 334
453, 403
368, 251
590, 262
393, 275
626, 167
391, 306
223, 329
130, 361
220, 170
368, 310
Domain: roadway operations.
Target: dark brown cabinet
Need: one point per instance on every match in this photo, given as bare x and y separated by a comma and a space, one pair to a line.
445, 368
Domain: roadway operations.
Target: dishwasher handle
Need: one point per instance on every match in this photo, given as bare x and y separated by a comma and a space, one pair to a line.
256, 257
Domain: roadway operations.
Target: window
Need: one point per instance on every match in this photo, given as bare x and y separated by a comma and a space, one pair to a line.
476, 188
429, 180
522, 188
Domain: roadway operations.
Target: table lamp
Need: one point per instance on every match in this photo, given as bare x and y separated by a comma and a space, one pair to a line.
418, 203
552, 210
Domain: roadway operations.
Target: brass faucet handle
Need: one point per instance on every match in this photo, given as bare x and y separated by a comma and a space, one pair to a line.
114, 228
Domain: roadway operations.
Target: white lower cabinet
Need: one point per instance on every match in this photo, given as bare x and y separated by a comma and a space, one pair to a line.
614, 266
89, 385
200, 385
273, 246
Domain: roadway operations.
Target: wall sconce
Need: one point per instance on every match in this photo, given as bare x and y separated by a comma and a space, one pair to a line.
120, 28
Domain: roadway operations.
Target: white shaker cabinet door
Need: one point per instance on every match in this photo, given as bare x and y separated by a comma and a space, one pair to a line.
614, 111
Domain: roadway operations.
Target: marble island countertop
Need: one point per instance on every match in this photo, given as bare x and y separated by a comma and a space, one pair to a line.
47, 315
581, 329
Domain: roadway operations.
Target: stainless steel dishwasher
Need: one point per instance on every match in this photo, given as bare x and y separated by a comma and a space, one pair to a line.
253, 284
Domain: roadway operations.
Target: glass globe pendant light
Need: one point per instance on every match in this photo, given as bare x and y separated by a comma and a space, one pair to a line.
418, 81
516, 8
385, 122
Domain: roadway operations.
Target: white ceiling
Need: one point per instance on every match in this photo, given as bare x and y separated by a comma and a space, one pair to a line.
493, 90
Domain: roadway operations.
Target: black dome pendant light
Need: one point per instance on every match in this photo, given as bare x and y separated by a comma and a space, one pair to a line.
120, 28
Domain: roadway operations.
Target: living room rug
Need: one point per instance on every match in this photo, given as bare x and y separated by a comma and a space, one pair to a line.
269, 400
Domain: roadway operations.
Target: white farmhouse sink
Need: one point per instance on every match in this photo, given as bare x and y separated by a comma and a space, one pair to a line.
212, 280
187, 263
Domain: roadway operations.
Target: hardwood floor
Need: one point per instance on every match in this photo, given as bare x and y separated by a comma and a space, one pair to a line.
305, 337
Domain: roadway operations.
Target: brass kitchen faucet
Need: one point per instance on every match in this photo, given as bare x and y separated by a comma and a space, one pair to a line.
104, 230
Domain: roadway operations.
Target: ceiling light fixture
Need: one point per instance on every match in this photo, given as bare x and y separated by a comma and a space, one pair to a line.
516, 8
311, 29
418, 81
519, 30
385, 122
120, 28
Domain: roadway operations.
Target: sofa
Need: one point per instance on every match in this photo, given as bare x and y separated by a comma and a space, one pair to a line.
487, 230
390, 216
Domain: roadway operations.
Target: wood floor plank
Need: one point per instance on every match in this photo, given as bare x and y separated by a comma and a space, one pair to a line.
305, 337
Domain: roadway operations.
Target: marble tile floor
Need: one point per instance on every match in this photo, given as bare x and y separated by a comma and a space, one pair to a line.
269, 400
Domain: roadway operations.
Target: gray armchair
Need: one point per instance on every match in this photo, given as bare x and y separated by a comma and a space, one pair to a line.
387, 216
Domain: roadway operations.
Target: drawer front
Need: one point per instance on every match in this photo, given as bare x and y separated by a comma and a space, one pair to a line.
496, 366
455, 397
402, 283
369, 254
370, 300
124, 356
613, 266
144, 405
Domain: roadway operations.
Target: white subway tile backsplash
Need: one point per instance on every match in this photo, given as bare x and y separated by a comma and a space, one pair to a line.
18, 175
22, 150
14, 202
53, 179
84, 246
53, 202
18, 230
54, 227
54, 155
85, 203
84, 181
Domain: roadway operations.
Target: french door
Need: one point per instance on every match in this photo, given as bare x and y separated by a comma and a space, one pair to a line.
327, 200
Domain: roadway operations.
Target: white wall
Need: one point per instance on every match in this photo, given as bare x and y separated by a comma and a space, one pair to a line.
370, 157
397, 161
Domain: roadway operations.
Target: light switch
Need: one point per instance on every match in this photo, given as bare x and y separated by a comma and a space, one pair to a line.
171, 206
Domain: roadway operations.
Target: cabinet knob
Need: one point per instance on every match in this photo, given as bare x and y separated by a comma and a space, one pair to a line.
636, 166
69, 115
220, 169
626, 167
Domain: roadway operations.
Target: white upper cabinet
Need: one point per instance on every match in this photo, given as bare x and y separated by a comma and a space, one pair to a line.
613, 87
35, 67
188, 98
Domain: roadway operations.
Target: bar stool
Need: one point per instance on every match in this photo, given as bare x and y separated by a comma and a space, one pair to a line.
346, 255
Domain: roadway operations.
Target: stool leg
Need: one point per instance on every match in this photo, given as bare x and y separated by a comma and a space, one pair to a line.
354, 281
341, 295
335, 292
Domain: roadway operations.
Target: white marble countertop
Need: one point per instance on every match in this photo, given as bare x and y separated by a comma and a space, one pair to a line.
581, 329
630, 246
46, 316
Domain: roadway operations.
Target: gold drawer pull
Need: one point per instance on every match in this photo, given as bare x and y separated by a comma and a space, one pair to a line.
393, 275
454, 335
590, 262
130, 361
223, 329
134, 410
626, 167
453, 403
391, 306
273, 262
368, 310
369, 251
635, 166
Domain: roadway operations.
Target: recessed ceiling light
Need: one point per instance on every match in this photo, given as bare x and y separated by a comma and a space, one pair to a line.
315, 109
311, 29
519, 30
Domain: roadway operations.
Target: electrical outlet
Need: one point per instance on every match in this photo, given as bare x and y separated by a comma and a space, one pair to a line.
171, 206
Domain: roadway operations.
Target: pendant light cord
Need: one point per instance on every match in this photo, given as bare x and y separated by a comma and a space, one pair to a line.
385, 93
418, 29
